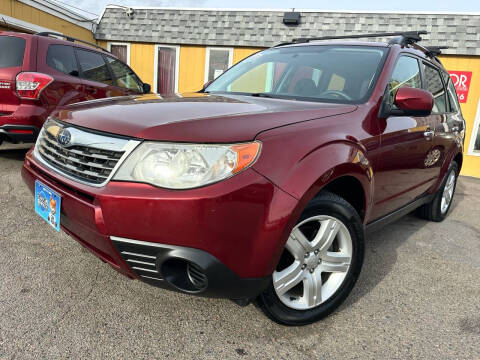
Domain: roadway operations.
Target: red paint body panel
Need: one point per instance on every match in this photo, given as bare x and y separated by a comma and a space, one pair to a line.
194, 117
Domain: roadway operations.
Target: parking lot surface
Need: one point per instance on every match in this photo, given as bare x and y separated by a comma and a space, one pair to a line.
418, 297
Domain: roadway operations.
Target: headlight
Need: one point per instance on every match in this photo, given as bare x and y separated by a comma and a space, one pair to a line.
186, 166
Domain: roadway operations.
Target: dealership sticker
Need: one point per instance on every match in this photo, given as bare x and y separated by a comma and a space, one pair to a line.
461, 80
4, 85
48, 204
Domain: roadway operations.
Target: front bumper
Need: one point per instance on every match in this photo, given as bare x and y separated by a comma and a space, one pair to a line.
232, 232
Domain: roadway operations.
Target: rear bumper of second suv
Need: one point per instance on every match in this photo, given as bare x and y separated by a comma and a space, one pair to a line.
18, 133
223, 240
24, 124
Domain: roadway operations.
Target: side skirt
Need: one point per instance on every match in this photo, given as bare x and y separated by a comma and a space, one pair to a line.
397, 214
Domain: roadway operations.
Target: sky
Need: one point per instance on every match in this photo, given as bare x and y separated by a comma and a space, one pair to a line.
96, 6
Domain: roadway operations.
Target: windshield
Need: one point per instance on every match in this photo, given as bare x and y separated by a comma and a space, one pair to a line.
345, 74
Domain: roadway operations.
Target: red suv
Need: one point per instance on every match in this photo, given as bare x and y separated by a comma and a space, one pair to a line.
40, 72
262, 186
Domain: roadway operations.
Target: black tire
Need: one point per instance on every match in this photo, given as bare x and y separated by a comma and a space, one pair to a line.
432, 211
328, 204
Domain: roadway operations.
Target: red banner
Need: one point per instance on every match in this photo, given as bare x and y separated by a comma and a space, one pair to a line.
461, 80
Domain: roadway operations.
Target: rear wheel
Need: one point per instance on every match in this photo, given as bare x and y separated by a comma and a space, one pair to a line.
437, 209
320, 264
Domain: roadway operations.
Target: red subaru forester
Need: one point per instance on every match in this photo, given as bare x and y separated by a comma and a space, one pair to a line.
261, 186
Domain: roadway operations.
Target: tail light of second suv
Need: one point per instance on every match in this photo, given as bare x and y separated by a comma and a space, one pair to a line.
29, 85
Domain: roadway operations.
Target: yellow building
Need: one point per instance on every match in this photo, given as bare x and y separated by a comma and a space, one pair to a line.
470, 109
32, 16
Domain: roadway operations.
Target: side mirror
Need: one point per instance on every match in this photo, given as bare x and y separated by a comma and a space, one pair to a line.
146, 88
206, 85
413, 102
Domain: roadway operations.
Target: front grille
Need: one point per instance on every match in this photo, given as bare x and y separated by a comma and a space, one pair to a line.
89, 158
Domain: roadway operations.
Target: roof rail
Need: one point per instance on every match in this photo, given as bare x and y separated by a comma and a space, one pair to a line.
404, 38
69, 38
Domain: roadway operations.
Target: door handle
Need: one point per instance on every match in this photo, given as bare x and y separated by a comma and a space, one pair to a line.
429, 134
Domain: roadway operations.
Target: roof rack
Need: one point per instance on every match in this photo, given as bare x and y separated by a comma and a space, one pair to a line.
404, 38
430, 51
69, 38
434, 51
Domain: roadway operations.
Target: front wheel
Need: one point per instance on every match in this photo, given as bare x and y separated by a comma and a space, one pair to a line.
320, 264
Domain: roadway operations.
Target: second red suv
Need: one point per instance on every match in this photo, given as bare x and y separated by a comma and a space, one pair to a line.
40, 72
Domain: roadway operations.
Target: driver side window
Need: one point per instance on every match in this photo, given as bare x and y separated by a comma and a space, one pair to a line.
406, 73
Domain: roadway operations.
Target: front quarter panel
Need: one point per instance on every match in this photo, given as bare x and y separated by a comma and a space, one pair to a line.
301, 160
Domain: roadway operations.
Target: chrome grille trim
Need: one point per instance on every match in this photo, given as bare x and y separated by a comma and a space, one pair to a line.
141, 262
73, 159
138, 255
66, 153
151, 278
141, 259
143, 269
90, 159
69, 167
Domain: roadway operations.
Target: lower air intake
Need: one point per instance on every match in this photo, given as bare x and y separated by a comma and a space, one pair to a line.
197, 276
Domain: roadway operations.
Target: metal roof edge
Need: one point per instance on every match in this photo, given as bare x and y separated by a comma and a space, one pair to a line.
57, 10
111, 6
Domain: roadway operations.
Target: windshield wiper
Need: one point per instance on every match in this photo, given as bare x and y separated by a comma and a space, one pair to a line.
263, 95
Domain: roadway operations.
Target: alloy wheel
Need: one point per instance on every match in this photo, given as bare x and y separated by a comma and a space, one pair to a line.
316, 262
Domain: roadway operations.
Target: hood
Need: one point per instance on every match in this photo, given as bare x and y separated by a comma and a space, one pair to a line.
194, 117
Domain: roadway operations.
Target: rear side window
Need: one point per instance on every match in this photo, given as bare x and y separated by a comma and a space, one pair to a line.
125, 76
93, 66
62, 58
434, 84
11, 53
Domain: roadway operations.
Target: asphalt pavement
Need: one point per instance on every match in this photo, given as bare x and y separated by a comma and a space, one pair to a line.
418, 297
